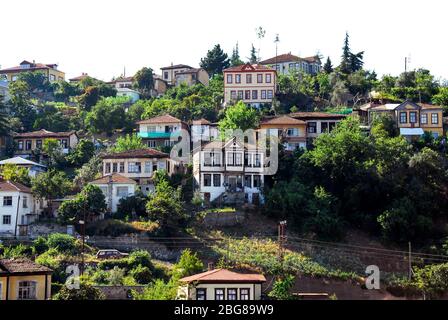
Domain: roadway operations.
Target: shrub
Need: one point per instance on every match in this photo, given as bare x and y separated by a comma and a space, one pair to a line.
109, 227
40, 245
63, 243
281, 288
85, 292
142, 275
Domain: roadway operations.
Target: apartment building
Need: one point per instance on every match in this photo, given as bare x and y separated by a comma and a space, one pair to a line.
204, 130
254, 84
50, 71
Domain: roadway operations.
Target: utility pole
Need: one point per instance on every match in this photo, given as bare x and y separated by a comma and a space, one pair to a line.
410, 261
281, 240
83, 235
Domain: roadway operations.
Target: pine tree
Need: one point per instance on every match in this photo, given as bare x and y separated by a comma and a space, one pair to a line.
350, 62
235, 60
253, 55
328, 66
346, 55
215, 61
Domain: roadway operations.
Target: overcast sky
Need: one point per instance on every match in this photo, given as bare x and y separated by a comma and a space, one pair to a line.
102, 37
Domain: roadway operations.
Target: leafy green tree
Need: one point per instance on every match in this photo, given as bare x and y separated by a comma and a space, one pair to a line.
82, 153
215, 61
51, 185
144, 81
89, 203
106, 116
89, 171
133, 205
166, 206
36, 81
129, 142
281, 290
21, 105
89, 98
52, 149
441, 98
239, 116
188, 264
432, 280
11, 172
4, 121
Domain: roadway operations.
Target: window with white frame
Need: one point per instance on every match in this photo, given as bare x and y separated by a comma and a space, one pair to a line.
25, 202
229, 78
424, 118
122, 192
293, 132
263, 94
6, 220
134, 167
257, 160
7, 201
151, 129
257, 181
434, 118
207, 180
412, 117
152, 143
216, 180
148, 166
27, 290
237, 78
107, 167
270, 94
268, 78
259, 78
233, 94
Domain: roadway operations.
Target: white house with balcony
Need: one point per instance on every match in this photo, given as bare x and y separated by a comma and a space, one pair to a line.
161, 131
34, 168
18, 208
115, 187
138, 165
229, 172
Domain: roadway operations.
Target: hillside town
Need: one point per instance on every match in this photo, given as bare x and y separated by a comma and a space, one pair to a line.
269, 178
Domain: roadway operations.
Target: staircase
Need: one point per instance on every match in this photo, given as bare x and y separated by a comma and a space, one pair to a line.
232, 198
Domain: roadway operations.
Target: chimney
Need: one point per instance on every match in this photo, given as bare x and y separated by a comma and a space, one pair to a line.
210, 266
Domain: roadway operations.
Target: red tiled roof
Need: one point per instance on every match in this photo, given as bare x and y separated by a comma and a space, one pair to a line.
33, 66
316, 115
176, 66
113, 178
223, 276
8, 186
139, 153
201, 121
44, 134
248, 68
427, 106
79, 78
160, 119
282, 120
22, 265
287, 57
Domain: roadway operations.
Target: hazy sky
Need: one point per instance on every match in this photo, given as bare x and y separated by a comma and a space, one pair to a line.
101, 37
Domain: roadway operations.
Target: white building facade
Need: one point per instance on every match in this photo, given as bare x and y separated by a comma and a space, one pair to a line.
18, 208
115, 187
